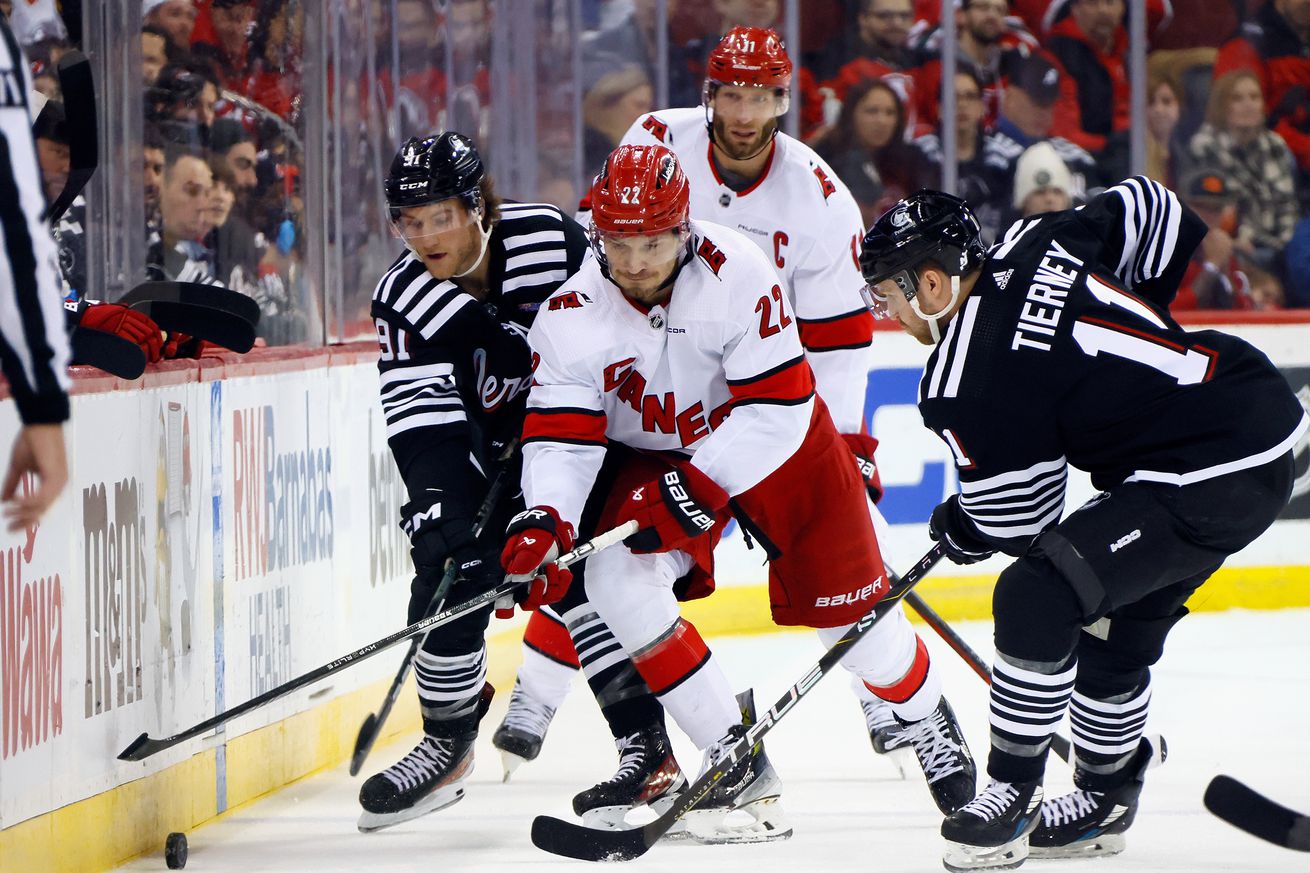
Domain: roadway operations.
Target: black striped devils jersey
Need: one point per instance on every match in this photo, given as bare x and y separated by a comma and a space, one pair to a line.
1064, 353
455, 370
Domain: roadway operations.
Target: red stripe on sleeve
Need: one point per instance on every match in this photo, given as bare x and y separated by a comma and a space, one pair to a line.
792, 382
666, 663
565, 425
850, 331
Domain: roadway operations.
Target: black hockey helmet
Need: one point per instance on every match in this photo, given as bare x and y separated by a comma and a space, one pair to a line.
434, 167
927, 225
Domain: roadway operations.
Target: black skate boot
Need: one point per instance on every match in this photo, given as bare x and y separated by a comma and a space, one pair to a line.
648, 775
991, 831
429, 778
1086, 823
752, 787
522, 731
944, 756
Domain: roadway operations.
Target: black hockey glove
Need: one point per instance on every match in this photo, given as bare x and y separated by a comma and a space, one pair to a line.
433, 540
951, 528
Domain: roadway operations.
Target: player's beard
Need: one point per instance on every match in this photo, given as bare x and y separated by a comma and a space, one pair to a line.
750, 149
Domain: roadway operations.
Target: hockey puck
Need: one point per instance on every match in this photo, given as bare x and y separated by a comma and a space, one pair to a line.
175, 851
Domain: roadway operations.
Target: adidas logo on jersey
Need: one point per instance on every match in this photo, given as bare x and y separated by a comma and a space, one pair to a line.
1002, 279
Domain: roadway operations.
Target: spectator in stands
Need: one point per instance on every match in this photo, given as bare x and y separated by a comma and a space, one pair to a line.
980, 182
1042, 182
617, 94
1030, 107
154, 53
1163, 109
228, 44
1236, 143
237, 252
1275, 45
878, 42
635, 37
1297, 255
52, 153
185, 218
868, 150
185, 91
1092, 47
152, 173
230, 142
177, 18
1214, 278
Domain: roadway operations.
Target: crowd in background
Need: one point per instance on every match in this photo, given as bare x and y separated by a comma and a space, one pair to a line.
1042, 116
221, 158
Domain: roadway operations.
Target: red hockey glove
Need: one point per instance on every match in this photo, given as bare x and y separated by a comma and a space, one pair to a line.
536, 537
127, 323
863, 446
181, 345
672, 510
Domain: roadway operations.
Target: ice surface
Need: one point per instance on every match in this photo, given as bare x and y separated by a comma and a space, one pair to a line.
1232, 695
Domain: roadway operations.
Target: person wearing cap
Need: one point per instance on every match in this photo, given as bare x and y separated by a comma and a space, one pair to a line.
1214, 278
1042, 183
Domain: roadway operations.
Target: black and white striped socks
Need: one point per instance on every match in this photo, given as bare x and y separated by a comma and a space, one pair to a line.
449, 686
1028, 702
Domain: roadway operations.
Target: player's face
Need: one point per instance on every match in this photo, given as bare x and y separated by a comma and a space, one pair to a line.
640, 265
744, 119
887, 300
444, 235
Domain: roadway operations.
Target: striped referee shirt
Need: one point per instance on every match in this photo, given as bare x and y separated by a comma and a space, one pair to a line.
455, 370
33, 341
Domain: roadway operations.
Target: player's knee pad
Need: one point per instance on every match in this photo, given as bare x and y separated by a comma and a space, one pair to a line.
886, 652
1037, 613
463, 635
1116, 653
633, 594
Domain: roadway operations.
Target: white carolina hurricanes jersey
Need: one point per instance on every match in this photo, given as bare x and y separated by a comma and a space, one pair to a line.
664, 379
808, 225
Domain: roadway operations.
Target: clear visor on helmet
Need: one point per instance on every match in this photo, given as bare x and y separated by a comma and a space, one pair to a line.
638, 252
752, 101
421, 226
876, 295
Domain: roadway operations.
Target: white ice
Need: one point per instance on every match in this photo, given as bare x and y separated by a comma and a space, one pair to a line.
1232, 695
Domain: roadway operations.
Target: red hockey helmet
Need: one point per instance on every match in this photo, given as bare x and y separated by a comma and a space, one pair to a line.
750, 56
641, 190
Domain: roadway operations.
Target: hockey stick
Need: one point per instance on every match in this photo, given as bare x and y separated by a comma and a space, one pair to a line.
571, 840
78, 88
110, 352
372, 726
194, 294
144, 746
1059, 743
204, 322
1243, 807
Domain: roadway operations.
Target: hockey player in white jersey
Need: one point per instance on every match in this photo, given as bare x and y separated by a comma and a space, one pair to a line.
746, 174
671, 385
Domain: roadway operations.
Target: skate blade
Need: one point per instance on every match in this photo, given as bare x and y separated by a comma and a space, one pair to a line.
370, 822
510, 762
615, 818
903, 759
1102, 846
761, 821
963, 858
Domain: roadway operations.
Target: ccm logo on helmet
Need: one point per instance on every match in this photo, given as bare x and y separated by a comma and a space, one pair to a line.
410, 186
876, 587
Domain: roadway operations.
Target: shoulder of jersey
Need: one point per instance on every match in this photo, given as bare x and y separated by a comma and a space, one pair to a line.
519, 217
675, 128
808, 173
577, 298
729, 255
401, 282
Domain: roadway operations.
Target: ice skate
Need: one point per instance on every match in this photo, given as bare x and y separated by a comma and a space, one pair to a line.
648, 775
429, 778
744, 807
991, 831
943, 755
1084, 824
522, 731
885, 736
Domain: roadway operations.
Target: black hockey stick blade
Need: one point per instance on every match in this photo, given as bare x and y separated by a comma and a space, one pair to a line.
208, 323
195, 294
573, 840
1245, 808
368, 734
107, 351
372, 726
79, 95
144, 746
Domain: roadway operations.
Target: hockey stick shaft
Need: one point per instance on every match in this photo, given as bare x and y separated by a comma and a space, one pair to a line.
144, 746
1244, 807
1059, 743
372, 725
589, 844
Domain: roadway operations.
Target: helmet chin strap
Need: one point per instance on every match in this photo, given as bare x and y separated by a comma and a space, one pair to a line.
485, 234
933, 319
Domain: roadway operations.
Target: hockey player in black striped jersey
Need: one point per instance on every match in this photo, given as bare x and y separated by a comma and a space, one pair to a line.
452, 315
1056, 348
